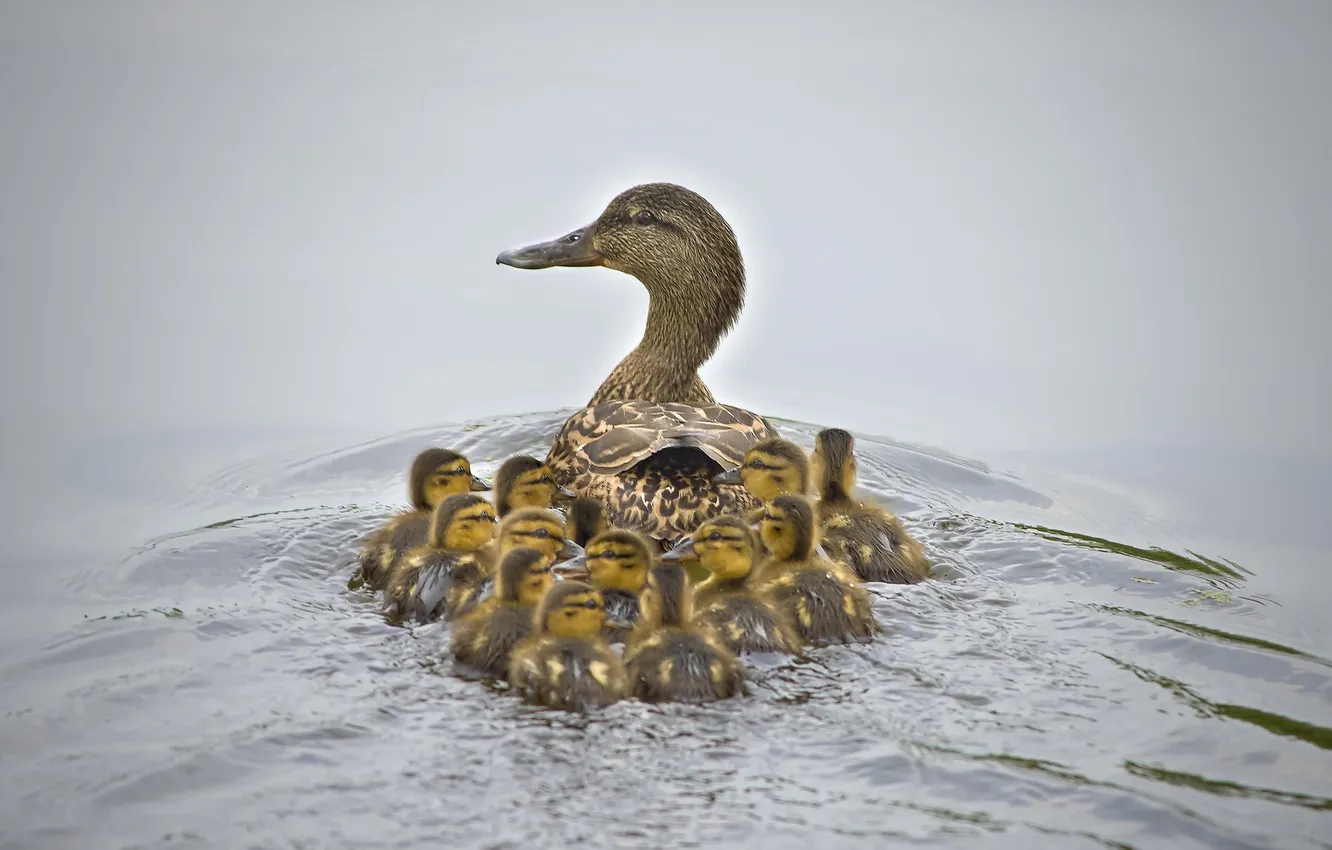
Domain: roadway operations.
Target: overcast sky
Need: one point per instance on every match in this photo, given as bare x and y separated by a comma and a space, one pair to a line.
971, 224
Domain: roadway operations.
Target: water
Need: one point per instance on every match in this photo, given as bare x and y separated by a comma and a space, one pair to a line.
1077, 677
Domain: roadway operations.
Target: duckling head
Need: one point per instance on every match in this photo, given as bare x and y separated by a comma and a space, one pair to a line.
463, 521
524, 576
619, 560
787, 527
523, 481
667, 599
439, 473
539, 529
833, 464
584, 519
771, 467
681, 249
571, 609
724, 546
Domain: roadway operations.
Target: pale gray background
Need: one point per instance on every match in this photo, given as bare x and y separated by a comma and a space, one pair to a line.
1095, 229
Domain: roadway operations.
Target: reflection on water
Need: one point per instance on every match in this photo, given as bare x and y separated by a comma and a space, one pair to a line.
1074, 679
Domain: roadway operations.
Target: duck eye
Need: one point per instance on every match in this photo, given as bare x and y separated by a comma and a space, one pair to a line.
541, 533
716, 535
643, 217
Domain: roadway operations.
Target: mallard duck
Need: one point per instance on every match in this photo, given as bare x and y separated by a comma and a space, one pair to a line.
861, 534
535, 528
523, 481
617, 564
824, 599
567, 664
738, 612
651, 437
484, 638
668, 657
435, 475
418, 581
584, 519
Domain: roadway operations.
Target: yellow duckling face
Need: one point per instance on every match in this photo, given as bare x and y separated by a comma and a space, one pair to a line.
619, 560
524, 576
525, 482
437, 474
572, 609
833, 465
724, 546
772, 467
463, 522
667, 599
787, 527
538, 529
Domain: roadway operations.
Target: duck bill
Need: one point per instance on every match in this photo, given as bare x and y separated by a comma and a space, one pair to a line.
479, 485
682, 551
563, 495
570, 551
730, 476
571, 249
575, 568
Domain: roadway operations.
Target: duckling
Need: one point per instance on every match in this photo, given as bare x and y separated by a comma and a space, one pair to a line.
435, 474
567, 664
584, 519
669, 658
861, 534
738, 613
771, 468
651, 436
419, 580
523, 481
535, 528
824, 599
617, 563
484, 638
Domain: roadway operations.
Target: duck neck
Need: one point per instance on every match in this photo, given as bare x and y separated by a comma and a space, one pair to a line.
687, 317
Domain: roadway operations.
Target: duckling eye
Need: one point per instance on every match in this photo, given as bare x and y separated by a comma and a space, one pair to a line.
643, 217
716, 535
541, 533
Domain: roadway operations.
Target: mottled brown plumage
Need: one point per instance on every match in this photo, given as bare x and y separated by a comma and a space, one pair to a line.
652, 435
858, 533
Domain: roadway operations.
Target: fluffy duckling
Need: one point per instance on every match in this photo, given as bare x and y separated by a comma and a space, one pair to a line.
860, 534
771, 468
567, 664
824, 599
741, 615
584, 519
435, 475
523, 481
420, 580
484, 638
617, 564
535, 528
668, 658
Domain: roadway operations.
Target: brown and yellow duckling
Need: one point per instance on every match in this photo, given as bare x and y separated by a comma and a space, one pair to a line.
668, 657
484, 638
535, 528
741, 615
523, 481
584, 519
435, 475
648, 441
771, 468
617, 564
420, 580
824, 600
860, 534
567, 663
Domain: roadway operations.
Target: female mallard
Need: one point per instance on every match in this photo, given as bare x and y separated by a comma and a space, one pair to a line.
435, 475
652, 436
861, 534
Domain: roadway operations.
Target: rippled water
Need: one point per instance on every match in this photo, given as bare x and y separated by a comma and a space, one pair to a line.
222, 687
